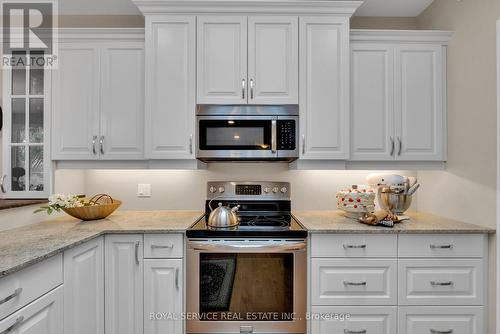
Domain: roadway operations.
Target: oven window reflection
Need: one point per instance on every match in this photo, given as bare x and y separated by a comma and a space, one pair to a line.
246, 287
235, 136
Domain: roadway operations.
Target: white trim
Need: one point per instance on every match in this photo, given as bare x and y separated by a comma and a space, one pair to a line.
405, 36
498, 174
302, 164
188, 164
100, 34
303, 7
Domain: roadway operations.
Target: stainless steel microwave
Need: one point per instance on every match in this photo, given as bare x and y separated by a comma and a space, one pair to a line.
247, 132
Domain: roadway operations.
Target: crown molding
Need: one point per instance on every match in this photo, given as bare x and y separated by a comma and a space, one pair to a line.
303, 7
103, 34
406, 36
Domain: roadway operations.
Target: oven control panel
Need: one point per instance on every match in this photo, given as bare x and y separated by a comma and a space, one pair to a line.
249, 190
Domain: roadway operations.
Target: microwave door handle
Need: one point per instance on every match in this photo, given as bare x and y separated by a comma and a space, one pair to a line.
273, 136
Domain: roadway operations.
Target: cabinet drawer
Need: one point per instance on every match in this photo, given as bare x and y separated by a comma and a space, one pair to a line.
163, 246
43, 316
441, 320
367, 319
353, 245
21, 288
442, 245
353, 282
441, 282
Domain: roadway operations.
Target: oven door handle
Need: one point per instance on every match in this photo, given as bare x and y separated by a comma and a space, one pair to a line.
278, 247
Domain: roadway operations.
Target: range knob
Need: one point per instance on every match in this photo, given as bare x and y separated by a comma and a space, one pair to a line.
267, 190
275, 190
212, 190
221, 189
284, 190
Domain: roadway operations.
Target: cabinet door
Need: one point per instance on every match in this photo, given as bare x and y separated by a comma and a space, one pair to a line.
170, 87
122, 112
75, 103
84, 288
324, 91
163, 291
222, 59
273, 60
43, 316
420, 126
372, 102
124, 284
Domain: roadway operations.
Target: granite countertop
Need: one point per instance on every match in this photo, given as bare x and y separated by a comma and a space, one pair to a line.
24, 246
336, 222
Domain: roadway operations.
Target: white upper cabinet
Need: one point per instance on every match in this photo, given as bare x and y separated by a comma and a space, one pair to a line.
324, 90
98, 96
398, 97
170, 87
250, 60
420, 119
273, 60
372, 107
75, 100
122, 111
222, 59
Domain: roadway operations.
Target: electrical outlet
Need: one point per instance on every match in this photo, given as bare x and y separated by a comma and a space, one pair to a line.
144, 190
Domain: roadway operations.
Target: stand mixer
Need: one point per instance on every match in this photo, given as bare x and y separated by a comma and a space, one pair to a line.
394, 192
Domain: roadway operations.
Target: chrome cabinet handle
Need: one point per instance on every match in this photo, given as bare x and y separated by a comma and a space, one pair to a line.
251, 88
19, 321
243, 83
162, 246
441, 246
434, 283
190, 144
16, 293
2, 180
435, 331
393, 146
94, 139
303, 144
346, 246
350, 331
400, 145
137, 243
101, 144
177, 278
347, 283
273, 136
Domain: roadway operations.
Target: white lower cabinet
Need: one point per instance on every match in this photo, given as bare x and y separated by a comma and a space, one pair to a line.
441, 320
84, 288
124, 284
43, 316
163, 297
355, 320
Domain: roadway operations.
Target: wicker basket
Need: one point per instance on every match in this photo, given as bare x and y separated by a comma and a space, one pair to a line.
103, 206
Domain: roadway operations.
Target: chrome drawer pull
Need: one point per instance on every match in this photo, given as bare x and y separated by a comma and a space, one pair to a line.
16, 293
350, 331
435, 331
434, 283
137, 243
347, 283
346, 246
162, 246
441, 246
19, 321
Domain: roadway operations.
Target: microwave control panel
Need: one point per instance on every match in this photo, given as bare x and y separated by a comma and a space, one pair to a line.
286, 134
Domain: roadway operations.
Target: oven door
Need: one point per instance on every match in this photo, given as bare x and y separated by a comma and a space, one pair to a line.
246, 286
236, 137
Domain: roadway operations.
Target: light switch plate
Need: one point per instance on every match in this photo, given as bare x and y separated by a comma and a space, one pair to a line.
144, 190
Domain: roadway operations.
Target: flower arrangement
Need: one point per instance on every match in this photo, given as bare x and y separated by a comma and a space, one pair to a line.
57, 202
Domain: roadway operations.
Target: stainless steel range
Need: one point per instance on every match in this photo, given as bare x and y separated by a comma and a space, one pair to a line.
249, 278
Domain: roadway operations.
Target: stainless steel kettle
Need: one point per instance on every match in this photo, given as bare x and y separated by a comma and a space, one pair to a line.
223, 217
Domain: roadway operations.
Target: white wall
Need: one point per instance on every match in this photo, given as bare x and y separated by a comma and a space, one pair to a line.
186, 190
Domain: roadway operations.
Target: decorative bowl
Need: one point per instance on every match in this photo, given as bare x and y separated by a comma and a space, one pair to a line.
99, 210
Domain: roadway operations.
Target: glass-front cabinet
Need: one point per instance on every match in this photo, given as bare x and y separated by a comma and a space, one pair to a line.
26, 165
